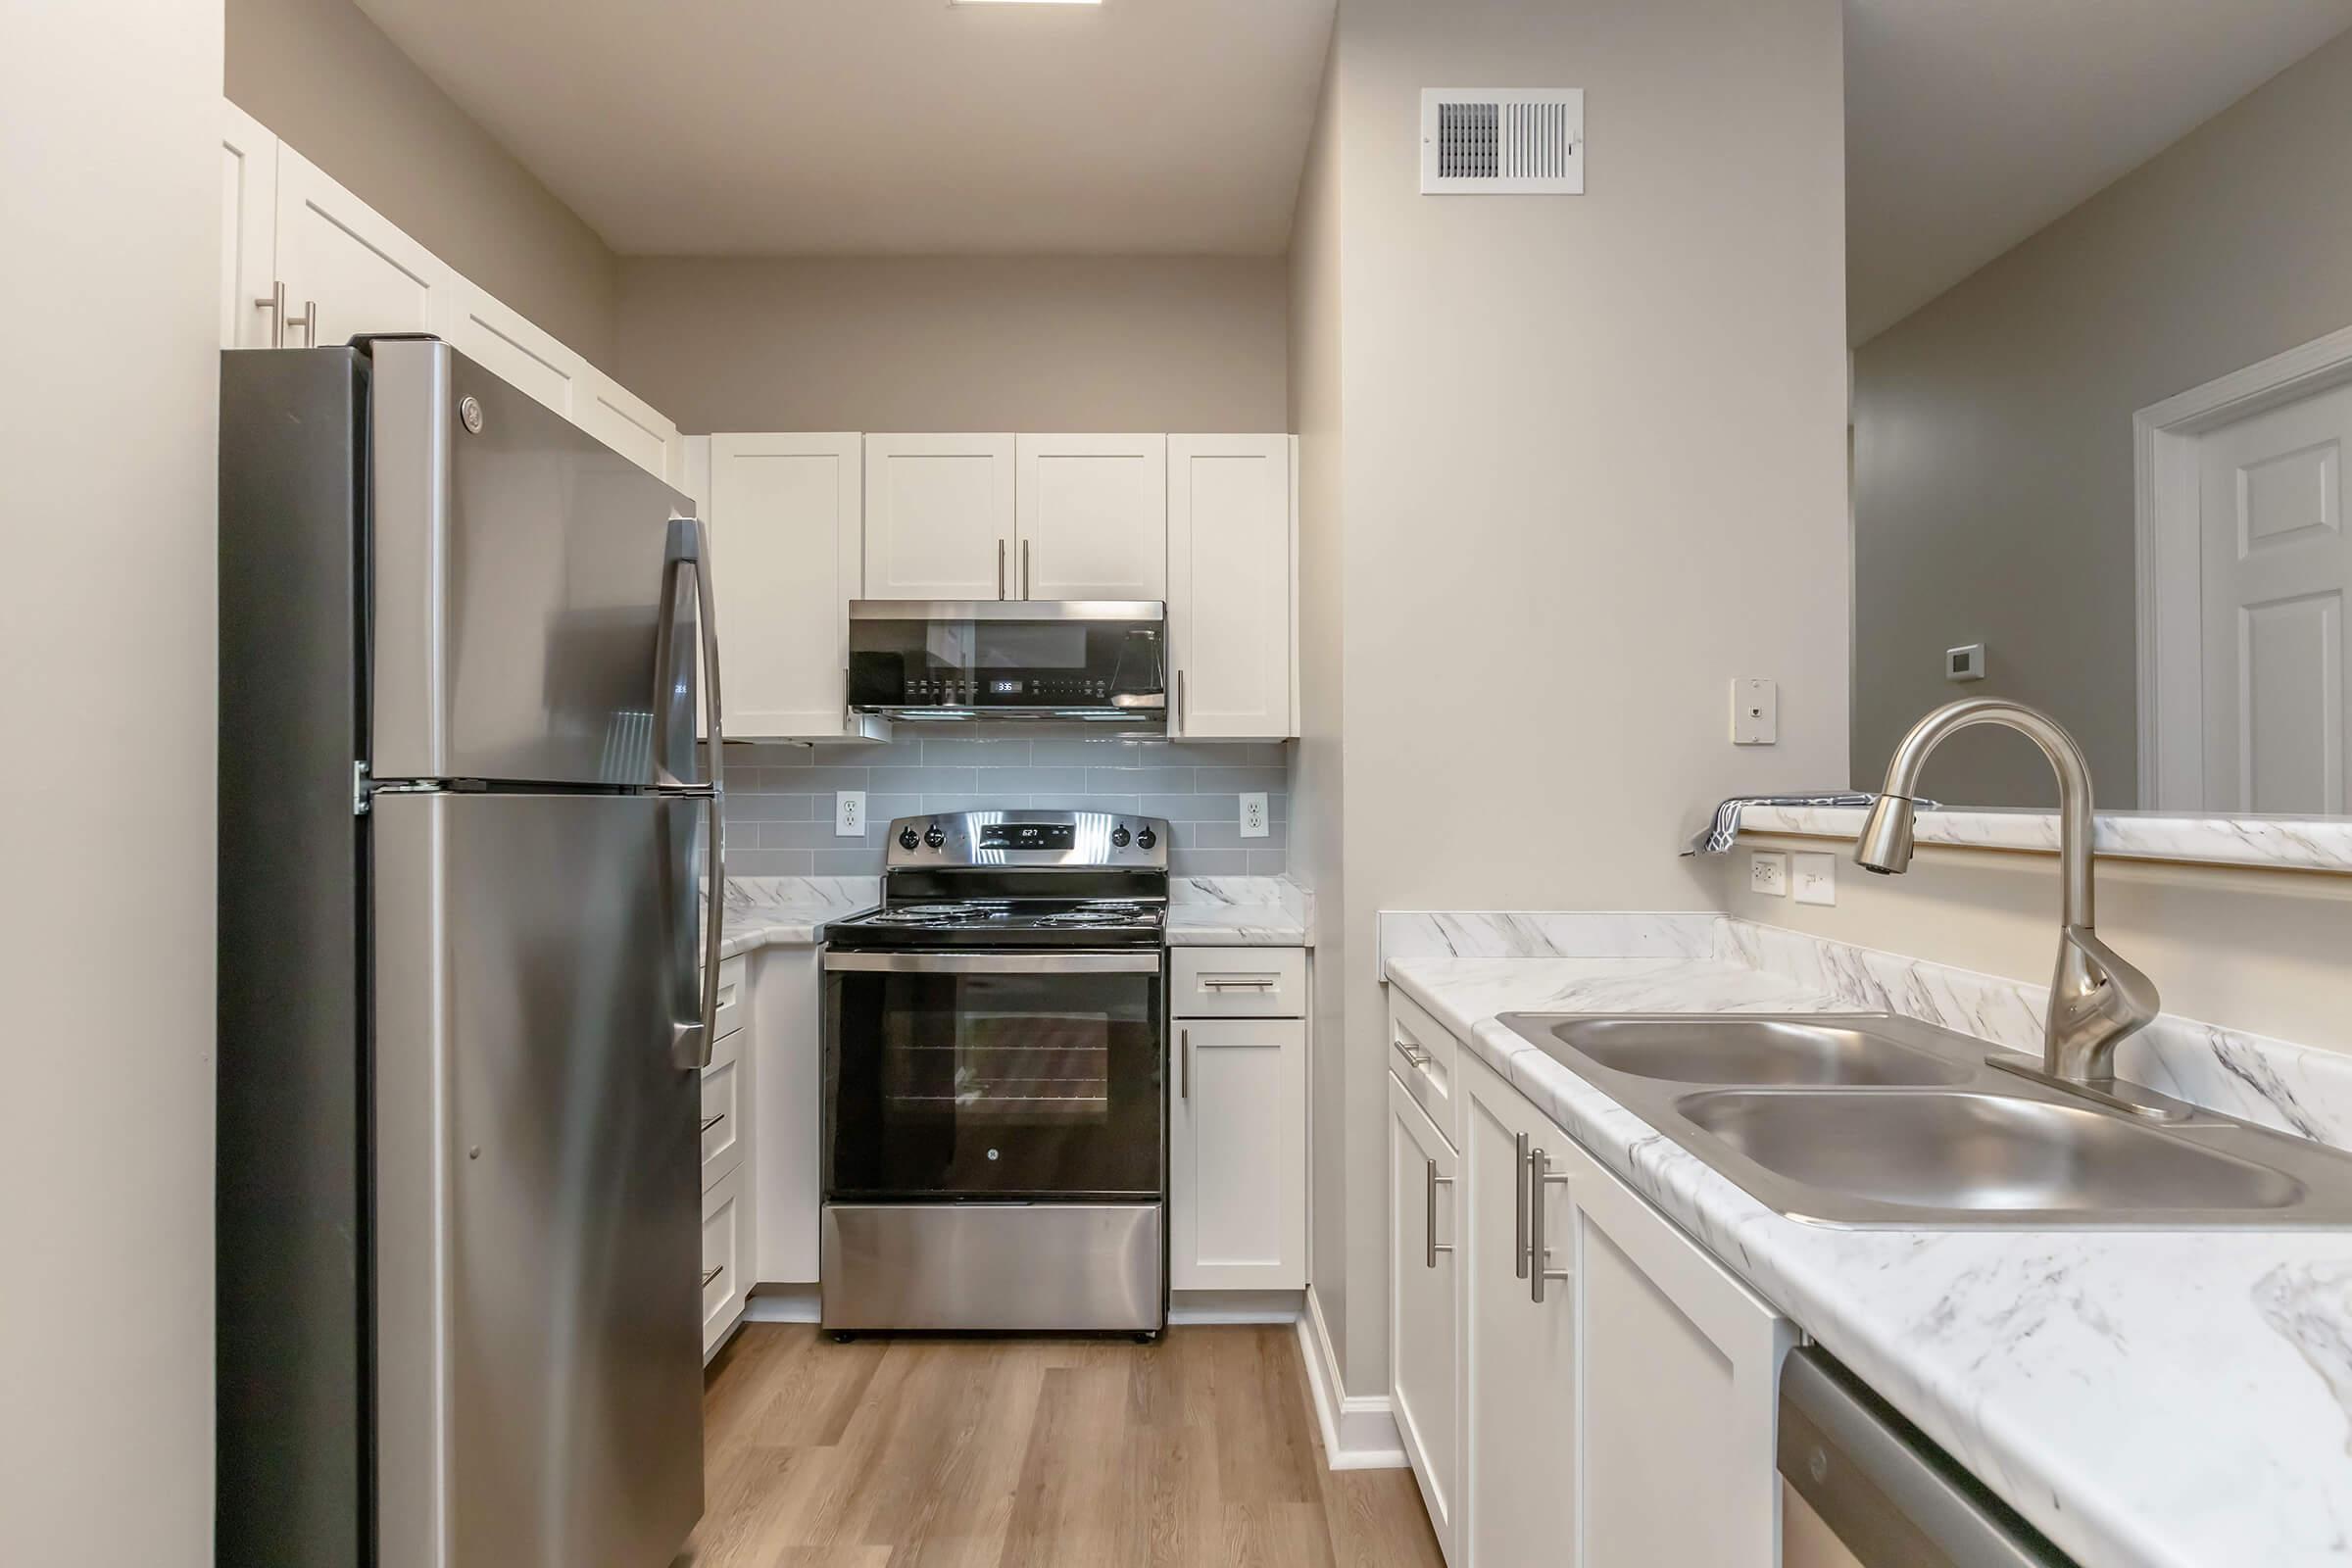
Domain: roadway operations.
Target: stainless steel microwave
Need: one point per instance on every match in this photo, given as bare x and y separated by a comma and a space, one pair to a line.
1094, 660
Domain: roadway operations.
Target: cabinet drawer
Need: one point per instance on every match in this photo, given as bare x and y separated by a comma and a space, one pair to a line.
722, 1117
1237, 982
732, 994
1422, 1051
725, 1239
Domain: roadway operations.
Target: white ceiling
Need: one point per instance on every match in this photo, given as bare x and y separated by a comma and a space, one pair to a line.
1971, 124
871, 127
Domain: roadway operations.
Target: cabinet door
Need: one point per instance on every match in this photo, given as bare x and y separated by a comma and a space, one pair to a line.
1519, 1492
1237, 1179
784, 546
248, 230
939, 517
1093, 516
786, 1093
502, 340
1229, 585
1679, 1367
725, 1248
1423, 1307
630, 426
347, 269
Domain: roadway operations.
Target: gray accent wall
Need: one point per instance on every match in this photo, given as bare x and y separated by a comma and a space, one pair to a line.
780, 797
1993, 449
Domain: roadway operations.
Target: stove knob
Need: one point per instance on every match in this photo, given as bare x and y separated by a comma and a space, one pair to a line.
1118, 836
1145, 839
905, 838
931, 836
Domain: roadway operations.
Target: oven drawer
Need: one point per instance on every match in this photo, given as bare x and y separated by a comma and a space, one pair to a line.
1237, 982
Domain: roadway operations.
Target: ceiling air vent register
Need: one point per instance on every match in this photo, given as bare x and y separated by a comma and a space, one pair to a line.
1502, 141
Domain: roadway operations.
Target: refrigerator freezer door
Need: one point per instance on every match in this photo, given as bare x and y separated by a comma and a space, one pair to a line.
537, 1181
518, 567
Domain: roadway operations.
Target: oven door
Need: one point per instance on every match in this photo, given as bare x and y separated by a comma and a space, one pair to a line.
994, 1075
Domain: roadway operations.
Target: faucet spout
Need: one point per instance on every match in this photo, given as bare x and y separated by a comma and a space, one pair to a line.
2096, 999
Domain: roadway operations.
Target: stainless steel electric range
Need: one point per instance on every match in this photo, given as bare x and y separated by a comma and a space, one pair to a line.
995, 1041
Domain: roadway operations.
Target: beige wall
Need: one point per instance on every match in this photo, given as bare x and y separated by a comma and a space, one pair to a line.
2259, 950
956, 343
108, 403
327, 81
1994, 428
1591, 469
1318, 807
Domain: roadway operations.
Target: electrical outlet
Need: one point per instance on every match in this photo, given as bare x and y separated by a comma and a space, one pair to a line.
849, 814
1816, 878
1253, 816
1768, 873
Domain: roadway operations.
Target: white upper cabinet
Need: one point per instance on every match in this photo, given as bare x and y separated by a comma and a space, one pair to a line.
248, 231
502, 340
347, 269
1093, 516
629, 425
939, 517
784, 546
1230, 585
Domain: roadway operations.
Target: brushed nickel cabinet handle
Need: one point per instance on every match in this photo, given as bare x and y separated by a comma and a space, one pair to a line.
710, 1122
711, 1273
1538, 1248
275, 301
1024, 568
1520, 1251
1414, 1055
1000, 568
1185, 1061
308, 321
1430, 1222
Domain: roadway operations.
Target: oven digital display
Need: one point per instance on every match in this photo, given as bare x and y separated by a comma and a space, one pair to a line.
1005, 688
1027, 835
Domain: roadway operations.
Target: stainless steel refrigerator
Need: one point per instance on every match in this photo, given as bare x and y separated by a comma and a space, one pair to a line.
469, 920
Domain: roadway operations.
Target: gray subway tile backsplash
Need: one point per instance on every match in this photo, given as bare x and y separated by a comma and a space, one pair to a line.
780, 797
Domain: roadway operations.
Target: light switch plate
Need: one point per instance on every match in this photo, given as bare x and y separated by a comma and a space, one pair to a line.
1816, 878
849, 814
1756, 712
1768, 873
1253, 816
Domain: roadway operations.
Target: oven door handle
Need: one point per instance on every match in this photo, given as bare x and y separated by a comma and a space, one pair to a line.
1144, 961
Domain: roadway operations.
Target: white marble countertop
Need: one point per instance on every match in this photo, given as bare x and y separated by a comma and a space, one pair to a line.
2142, 1397
2280, 843
792, 910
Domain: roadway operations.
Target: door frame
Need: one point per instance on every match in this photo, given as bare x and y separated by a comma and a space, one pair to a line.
2168, 552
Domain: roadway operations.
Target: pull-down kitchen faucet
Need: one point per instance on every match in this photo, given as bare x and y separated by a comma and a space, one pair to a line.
2096, 999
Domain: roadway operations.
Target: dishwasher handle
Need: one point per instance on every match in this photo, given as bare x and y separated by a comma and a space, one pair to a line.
1884, 1485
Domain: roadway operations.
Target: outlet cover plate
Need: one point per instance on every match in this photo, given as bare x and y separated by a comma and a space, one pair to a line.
1816, 878
1253, 816
1768, 873
849, 814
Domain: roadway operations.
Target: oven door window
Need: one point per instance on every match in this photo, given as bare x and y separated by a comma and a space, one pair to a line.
1001, 1086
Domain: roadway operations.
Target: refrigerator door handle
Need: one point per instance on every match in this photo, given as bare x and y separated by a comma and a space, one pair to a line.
691, 1041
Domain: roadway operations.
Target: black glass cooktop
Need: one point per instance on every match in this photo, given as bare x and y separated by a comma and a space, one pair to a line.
1005, 922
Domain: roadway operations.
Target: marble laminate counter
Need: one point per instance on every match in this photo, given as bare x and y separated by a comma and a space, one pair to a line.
2143, 1397
792, 910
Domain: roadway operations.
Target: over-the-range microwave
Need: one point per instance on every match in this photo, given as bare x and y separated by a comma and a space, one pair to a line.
1089, 660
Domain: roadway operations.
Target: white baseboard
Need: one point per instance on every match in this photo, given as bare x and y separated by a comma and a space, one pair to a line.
782, 1304
1360, 1431
1234, 1307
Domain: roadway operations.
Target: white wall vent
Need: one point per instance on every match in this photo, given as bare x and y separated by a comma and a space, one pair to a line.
1502, 141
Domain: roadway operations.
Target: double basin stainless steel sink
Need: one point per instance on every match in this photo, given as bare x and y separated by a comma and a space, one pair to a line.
1872, 1120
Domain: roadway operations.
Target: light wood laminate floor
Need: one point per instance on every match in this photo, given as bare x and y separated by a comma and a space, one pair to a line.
1034, 1453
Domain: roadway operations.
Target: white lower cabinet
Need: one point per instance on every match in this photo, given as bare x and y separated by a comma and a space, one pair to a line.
1519, 1383
1424, 1308
726, 1228
1578, 1382
786, 1084
729, 1202
1237, 1156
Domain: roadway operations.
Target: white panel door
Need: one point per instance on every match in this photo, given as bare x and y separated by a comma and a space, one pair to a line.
1424, 1321
1093, 516
2277, 671
1229, 585
787, 1090
1236, 1177
503, 341
784, 546
629, 425
347, 269
1518, 1353
939, 517
248, 230
1678, 1368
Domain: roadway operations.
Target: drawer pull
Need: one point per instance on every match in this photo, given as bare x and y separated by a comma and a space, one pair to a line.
710, 1122
1238, 985
1431, 1221
1539, 1249
711, 1273
1413, 1054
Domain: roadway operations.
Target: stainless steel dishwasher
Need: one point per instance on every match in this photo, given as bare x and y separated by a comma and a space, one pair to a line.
1866, 1486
